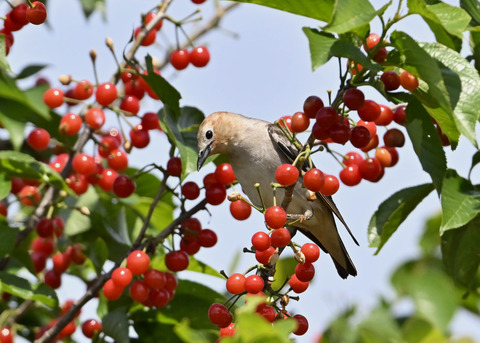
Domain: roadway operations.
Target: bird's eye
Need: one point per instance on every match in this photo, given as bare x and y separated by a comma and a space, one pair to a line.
209, 134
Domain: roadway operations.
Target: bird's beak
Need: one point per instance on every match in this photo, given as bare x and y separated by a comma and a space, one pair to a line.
202, 155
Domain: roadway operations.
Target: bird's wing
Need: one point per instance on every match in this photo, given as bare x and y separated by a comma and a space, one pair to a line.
290, 151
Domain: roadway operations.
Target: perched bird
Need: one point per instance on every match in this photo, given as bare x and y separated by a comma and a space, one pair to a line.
255, 149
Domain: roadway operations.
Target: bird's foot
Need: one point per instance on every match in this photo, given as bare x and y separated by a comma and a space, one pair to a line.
301, 217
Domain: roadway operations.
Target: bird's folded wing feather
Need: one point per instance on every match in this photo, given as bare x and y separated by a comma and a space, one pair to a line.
291, 152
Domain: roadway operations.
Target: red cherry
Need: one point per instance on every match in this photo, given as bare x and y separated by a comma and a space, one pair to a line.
19, 14
326, 117
190, 190
91, 327
192, 224
118, 160
53, 98
149, 39
297, 285
302, 325
45, 246
198, 1
394, 138
371, 126
177, 260
155, 278
77, 255
370, 169
305, 271
370, 111
207, 238
240, 210
111, 290
381, 55
263, 257
139, 137
37, 14
122, 276
300, 122
236, 283
180, 59
275, 217
261, 241
224, 174
199, 56
107, 144
139, 291
230, 330
384, 156
267, 312
29, 196
149, 16
209, 179
286, 174
311, 106
254, 284
394, 153
45, 227
10, 25
408, 81
70, 124
39, 261
106, 93
386, 116
371, 41
340, 132
83, 164
280, 238
138, 262
190, 245
130, 104
219, 315
134, 88
53, 279
107, 179
360, 136
150, 121
38, 139
215, 194
3, 209
61, 262
391, 80
311, 252
353, 98
123, 186
83, 90
330, 185
95, 117
350, 175
174, 166
399, 115
6, 335
314, 180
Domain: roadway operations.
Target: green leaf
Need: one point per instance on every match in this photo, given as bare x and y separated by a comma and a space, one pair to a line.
5, 186
3, 54
98, 254
350, 15
461, 252
8, 237
189, 335
193, 266
419, 330
320, 44
473, 9
341, 328
284, 269
392, 212
90, 6
433, 95
426, 142
378, 325
253, 328
30, 70
459, 202
162, 88
21, 288
15, 129
14, 163
446, 22
463, 86
430, 288
475, 161
115, 325
182, 131
430, 240
317, 9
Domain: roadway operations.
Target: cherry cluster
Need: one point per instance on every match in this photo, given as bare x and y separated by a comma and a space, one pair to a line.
151, 287
336, 124
198, 57
20, 15
90, 327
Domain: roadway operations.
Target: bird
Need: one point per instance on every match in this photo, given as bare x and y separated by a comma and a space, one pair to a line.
255, 148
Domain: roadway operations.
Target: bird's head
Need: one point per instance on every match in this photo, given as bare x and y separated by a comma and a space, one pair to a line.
213, 135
